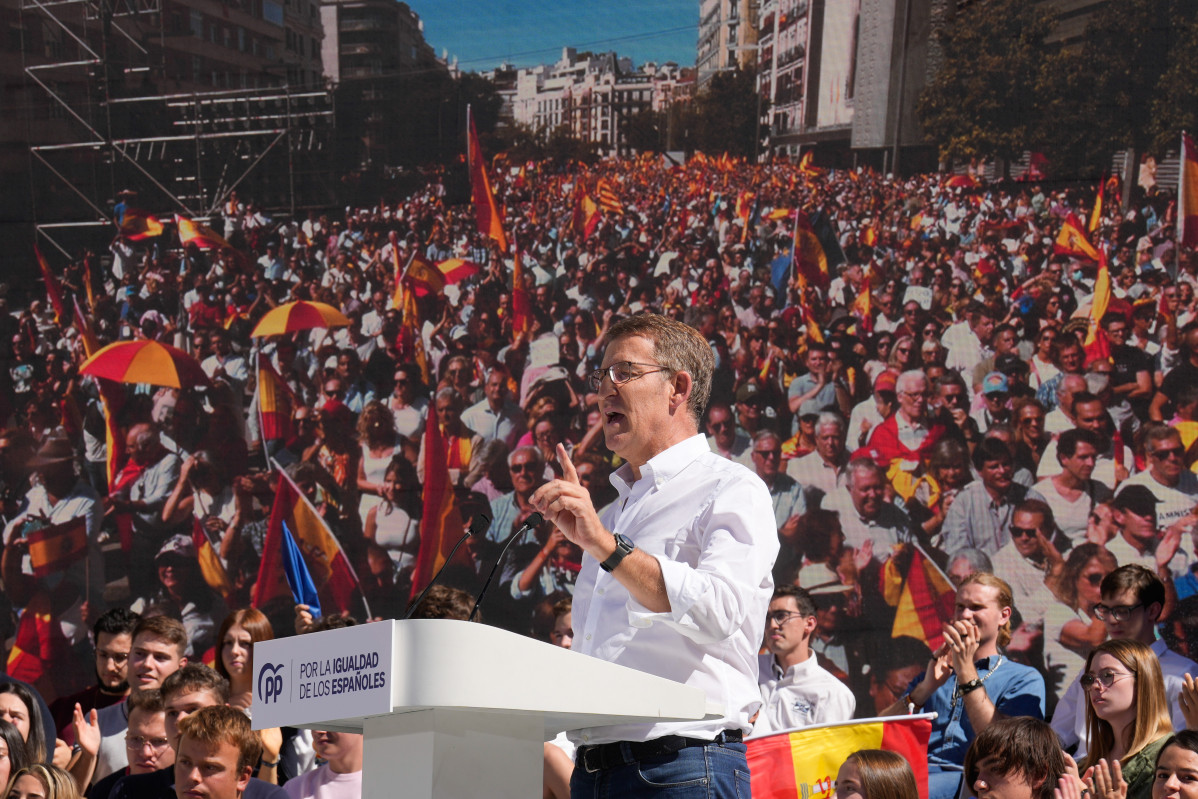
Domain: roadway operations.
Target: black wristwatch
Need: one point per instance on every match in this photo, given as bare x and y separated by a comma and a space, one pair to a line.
623, 547
967, 687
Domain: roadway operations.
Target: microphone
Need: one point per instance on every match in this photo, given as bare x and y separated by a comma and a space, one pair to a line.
478, 525
534, 520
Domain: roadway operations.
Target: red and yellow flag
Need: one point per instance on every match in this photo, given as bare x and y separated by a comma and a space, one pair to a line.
455, 270
1187, 194
53, 290
1098, 347
1072, 240
1096, 214
331, 571
275, 401
521, 302
803, 764
440, 524
211, 568
924, 598
202, 236
424, 276
810, 259
56, 546
490, 223
139, 225
608, 199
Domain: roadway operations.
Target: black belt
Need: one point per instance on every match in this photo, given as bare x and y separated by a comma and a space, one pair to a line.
605, 756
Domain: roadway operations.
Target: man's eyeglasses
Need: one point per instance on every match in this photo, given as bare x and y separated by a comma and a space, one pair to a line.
1023, 532
524, 467
135, 743
1162, 454
622, 372
1106, 678
768, 453
780, 617
1117, 613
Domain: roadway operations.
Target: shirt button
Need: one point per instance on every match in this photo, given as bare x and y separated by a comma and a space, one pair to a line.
600, 592
588, 636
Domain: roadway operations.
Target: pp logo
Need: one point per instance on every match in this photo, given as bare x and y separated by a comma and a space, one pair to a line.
270, 683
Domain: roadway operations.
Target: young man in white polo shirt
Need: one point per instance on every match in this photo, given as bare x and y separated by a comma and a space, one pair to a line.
796, 690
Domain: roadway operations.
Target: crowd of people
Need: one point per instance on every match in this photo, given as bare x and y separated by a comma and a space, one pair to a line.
910, 366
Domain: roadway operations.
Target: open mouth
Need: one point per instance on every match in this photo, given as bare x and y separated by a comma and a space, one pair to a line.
613, 417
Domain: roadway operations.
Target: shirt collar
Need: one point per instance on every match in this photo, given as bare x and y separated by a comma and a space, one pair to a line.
664, 465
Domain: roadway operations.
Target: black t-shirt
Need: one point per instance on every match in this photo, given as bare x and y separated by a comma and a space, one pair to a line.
1128, 362
1179, 377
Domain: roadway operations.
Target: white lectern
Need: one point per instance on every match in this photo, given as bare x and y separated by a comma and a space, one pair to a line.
452, 709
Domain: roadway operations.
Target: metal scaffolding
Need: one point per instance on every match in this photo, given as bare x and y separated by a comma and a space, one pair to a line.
183, 152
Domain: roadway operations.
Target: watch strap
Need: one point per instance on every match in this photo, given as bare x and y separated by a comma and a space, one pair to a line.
623, 547
972, 685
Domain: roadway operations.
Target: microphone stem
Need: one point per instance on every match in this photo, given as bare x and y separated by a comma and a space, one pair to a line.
502, 554
432, 582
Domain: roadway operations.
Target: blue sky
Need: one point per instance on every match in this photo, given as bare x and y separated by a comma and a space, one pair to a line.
484, 33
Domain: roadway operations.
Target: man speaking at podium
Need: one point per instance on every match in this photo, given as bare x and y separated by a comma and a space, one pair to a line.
677, 579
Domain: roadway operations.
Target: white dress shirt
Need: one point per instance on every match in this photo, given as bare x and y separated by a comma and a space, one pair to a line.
804, 695
1069, 719
710, 524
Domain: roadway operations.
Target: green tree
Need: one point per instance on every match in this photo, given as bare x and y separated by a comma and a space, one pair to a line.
725, 116
645, 131
987, 99
1175, 106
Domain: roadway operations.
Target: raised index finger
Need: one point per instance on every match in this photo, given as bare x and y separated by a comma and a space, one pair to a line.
569, 473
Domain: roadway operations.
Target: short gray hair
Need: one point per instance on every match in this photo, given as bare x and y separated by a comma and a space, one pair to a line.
679, 348
536, 454
907, 378
862, 465
762, 435
830, 418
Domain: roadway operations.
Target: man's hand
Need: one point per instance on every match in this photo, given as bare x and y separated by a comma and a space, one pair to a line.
568, 505
1167, 548
789, 531
962, 639
87, 730
1188, 699
304, 620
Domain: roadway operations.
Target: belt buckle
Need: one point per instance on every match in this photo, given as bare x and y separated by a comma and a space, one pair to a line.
586, 757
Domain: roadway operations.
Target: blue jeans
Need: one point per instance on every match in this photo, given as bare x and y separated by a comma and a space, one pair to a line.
713, 771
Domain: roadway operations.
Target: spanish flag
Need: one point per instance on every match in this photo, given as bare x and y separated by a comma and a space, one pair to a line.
424, 276
922, 594
331, 571
521, 303
586, 215
455, 270
1071, 240
803, 764
485, 209
53, 548
139, 225
440, 524
1187, 194
202, 236
810, 259
1096, 214
211, 568
275, 401
1098, 346
53, 290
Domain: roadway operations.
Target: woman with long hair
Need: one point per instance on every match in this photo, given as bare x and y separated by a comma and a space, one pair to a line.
238, 633
42, 782
904, 355
875, 774
1030, 438
1071, 628
14, 755
380, 443
395, 524
19, 708
1127, 714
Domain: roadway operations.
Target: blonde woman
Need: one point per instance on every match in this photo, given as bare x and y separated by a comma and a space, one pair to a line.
1127, 719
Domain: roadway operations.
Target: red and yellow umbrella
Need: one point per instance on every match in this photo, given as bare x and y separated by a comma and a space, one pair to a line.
145, 361
300, 315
